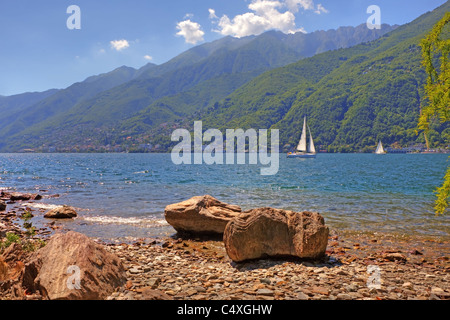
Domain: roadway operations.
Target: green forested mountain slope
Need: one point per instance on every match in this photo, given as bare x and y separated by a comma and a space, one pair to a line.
62, 100
102, 109
352, 97
137, 101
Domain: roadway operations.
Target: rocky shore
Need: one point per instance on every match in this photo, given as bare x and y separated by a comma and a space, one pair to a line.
356, 266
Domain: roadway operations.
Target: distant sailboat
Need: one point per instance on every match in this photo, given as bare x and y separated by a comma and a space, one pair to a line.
380, 149
304, 150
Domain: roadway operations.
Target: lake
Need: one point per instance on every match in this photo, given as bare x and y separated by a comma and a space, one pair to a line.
123, 196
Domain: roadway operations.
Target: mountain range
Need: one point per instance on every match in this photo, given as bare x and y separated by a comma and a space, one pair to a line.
355, 85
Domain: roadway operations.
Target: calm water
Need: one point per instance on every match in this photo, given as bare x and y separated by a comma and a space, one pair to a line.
121, 196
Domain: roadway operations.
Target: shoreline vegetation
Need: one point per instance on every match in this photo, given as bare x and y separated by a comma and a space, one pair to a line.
406, 150
356, 266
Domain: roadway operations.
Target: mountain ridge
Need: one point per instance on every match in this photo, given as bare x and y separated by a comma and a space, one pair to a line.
147, 110
371, 95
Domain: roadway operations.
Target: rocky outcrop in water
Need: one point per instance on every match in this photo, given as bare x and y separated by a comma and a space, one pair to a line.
64, 212
268, 232
19, 196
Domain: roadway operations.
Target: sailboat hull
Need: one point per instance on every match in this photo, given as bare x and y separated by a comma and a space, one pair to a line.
301, 155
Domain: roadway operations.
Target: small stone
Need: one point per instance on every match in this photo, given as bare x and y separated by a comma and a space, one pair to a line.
191, 292
433, 297
259, 286
394, 257
302, 296
265, 292
342, 273
351, 288
407, 285
150, 294
130, 296
129, 285
153, 282
437, 291
319, 270
321, 290
135, 270
343, 296
2, 205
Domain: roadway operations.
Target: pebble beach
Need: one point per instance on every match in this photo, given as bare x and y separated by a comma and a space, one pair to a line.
356, 267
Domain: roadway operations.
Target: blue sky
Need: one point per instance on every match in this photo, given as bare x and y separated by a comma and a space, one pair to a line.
39, 52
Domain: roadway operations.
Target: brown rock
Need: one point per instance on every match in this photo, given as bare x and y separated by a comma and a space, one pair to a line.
394, 256
14, 253
2, 205
55, 269
64, 212
201, 215
3, 269
18, 196
151, 294
268, 232
321, 290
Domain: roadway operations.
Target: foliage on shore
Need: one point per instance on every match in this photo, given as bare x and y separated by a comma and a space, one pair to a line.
436, 46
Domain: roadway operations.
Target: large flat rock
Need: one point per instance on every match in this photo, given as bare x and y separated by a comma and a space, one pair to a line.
268, 232
201, 215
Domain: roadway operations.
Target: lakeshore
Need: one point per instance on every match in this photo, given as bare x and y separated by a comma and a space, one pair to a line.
357, 266
124, 195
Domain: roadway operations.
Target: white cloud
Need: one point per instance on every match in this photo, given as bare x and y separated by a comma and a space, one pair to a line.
296, 5
265, 15
212, 14
320, 9
119, 45
191, 31
147, 57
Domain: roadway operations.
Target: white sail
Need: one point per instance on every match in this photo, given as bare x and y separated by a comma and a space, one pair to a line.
311, 147
302, 144
380, 149
304, 149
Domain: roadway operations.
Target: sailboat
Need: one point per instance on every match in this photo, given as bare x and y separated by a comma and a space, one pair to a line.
380, 149
304, 150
